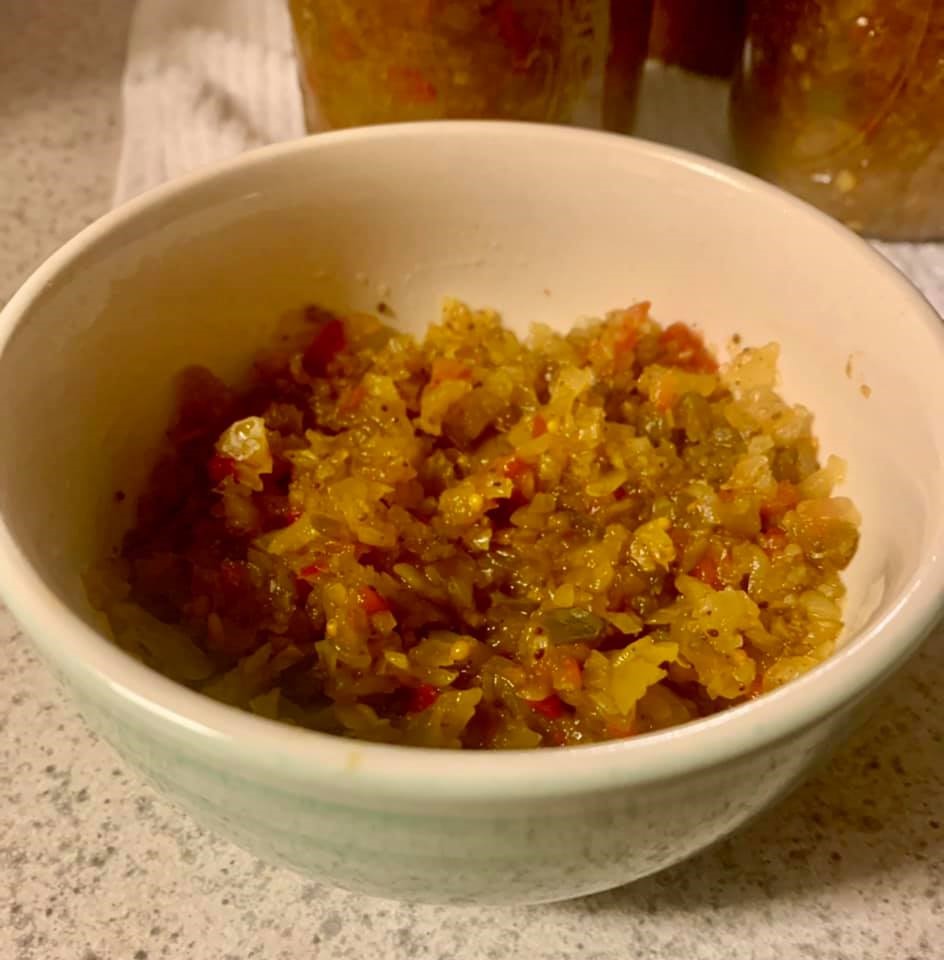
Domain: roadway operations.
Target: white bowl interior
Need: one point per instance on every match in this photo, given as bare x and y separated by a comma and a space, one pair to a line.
541, 224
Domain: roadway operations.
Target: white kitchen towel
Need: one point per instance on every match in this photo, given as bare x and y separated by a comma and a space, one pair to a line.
207, 79
204, 80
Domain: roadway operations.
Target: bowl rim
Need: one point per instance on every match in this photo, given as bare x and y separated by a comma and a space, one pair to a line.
239, 740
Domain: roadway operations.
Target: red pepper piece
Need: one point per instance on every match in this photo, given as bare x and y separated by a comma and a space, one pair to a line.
706, 570
619, 728
569, 675
373, 602
551, 707
219, 467
352, 399
515, 468
538, 426
448, 368
422, 698
327, 343
683, 347
312, 570
773, 541
521, 473
784, 498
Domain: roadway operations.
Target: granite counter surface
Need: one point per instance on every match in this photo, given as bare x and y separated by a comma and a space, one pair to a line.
95, 866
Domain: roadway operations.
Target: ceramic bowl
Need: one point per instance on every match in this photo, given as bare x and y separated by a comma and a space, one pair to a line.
545, 224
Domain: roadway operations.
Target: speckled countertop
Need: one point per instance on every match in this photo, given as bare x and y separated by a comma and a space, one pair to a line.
95, 866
